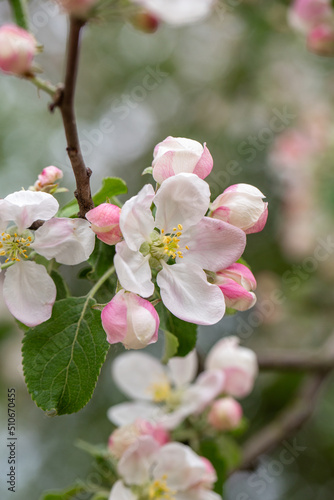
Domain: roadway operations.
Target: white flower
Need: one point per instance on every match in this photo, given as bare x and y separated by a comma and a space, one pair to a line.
163, 394
180, 242
29, 292
173, 471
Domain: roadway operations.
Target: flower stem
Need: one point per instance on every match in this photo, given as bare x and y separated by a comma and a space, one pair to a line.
43, 85
19, 8
99, 283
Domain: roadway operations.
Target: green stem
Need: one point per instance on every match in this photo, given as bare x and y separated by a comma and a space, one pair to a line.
102, 280
43, 85
20, 11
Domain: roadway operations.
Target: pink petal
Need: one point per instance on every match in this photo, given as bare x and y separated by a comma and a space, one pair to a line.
29, 293
186, 292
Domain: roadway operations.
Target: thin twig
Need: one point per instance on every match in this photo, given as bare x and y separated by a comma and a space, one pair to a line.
65, 102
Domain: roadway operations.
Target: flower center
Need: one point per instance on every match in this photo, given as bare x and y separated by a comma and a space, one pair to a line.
161, 391
159, 490
14, 247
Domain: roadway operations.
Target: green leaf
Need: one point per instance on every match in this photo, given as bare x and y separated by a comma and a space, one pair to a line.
111, 186
62, 357
62, 288
171, 346
186, 333
100, 260
66, 494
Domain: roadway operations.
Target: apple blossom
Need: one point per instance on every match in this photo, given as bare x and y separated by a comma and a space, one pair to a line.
123, 437
176, 155
225, 414
238, 364
179, 242
173, 471
17, 50
130, 319
320, 40
237, 282
29, 292
242, 206
77, 7
305, 14
178, 12
162, 393
104, 221
47, 178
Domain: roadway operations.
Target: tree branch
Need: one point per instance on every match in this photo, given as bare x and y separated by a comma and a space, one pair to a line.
65, 101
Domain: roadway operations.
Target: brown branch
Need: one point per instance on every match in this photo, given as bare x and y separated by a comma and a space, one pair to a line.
302, 407
65, 101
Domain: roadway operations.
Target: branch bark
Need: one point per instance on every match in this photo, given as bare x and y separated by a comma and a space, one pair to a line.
65, 102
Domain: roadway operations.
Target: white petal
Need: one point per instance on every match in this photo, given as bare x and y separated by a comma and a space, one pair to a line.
136, 372
207, 387
135, 463
127, 413
198, 494
186, 292
181, 199
29, 293
133, 270
120, 492
213, 244
25, 207
69, 241
136, 220
183, 370
178, 12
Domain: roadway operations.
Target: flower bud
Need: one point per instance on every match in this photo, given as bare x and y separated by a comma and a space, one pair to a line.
123, 437
239, 365
225, 414
77, 7
104, 221
17, 50
178, 155
320, 40
236, 283
304, 14
242, 206
48, 177
130, 319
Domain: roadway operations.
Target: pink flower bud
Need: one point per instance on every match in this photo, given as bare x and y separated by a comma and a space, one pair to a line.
17, 50
130, 319
304, 14
77, 7
123, 437
239, 365
242, 206
209, 477
178, 155
320, 40
104, 221
225, 414
47, 177
236, 283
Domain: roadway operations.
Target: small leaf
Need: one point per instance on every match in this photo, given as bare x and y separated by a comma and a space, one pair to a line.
111, 186
186, 333
62, 288
62, 357
171, 346
66, 494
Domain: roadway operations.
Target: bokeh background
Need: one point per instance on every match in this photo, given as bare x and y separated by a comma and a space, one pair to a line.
244, 83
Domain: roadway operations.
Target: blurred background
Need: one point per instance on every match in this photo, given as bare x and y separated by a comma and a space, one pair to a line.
243, 82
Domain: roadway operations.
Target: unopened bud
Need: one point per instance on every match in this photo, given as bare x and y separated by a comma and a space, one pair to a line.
17, 50
104, 221
320, 40
225, 414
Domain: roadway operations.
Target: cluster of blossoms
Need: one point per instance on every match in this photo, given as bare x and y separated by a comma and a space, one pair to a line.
173, 245
149, 462
315, 19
